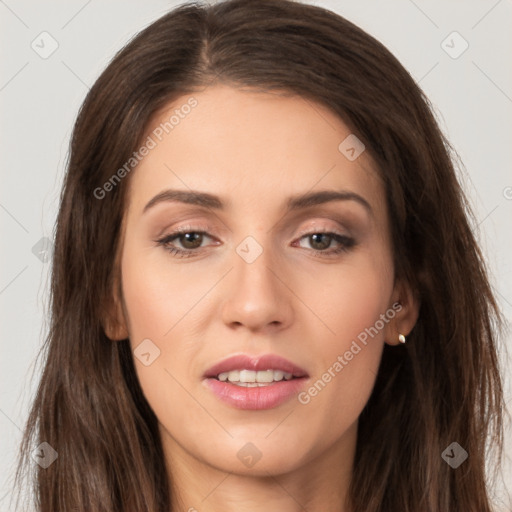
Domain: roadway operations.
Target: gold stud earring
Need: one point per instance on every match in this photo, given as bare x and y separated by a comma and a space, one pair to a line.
401, 338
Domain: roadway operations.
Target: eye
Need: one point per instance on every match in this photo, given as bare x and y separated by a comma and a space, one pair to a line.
320, 241
190, 239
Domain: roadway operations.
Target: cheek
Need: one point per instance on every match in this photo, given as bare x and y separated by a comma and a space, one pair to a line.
353, 304
160, 307
347, 299
158, 295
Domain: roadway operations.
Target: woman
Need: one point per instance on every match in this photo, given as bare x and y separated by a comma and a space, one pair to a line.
266, 293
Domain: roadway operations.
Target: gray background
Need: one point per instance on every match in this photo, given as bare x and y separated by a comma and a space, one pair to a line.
40, 97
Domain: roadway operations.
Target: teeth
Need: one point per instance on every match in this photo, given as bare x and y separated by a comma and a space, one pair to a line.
247, 376
278, 375
251, 378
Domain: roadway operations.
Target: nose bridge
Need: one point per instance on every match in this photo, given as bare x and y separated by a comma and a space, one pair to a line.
256, 295
255, 266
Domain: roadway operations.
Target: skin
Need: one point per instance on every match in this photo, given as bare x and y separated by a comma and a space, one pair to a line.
254, 150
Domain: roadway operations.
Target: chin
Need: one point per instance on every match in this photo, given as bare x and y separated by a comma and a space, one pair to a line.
260, 457
265, 467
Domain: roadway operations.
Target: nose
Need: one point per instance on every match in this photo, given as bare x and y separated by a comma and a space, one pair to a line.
258, 295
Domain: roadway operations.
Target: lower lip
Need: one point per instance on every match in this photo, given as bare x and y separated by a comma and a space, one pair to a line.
256, 398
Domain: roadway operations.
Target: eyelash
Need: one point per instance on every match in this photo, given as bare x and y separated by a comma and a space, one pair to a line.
345, 241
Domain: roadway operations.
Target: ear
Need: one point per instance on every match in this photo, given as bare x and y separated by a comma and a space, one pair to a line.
114, 320
406, 305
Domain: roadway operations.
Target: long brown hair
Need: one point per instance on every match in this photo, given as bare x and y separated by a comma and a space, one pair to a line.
443, 386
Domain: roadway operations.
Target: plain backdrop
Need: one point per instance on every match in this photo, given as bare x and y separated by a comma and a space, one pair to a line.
470, 88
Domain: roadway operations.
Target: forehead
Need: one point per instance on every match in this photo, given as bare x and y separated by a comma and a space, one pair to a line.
250, 146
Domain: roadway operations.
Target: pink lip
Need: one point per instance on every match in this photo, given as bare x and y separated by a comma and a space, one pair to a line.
256, 398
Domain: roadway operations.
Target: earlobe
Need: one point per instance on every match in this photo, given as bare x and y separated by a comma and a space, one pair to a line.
115, 330
115, 318
114, 321
406, 315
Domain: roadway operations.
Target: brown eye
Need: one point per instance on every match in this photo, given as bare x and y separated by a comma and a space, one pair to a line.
320, 241
184, 243
191, 240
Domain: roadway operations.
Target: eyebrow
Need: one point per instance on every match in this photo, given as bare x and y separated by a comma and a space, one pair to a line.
294, 203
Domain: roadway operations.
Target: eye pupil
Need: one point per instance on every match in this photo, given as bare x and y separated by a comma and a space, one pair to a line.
323, 245
192, 238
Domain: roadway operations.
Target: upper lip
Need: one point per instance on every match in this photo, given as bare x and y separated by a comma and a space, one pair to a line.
256, 363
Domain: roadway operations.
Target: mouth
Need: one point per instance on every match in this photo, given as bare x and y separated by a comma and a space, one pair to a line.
247, 382
252, 379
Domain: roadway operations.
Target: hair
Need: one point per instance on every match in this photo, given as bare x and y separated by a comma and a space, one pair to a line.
444, 385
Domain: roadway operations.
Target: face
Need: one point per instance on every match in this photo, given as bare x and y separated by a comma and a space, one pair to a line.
299, 292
